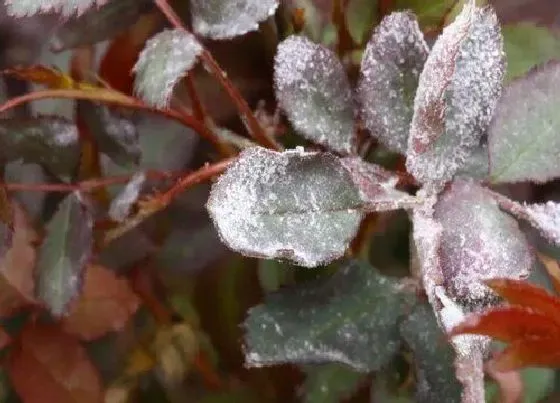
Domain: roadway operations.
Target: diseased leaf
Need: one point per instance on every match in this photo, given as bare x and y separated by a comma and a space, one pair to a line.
99, 24
64, 254
433, 358
17, 264
377, 186
116, 135
105, 305
546, 218
45, 140
330, 383
220, 19
528, 45
477, 165
479, 242
332, 320
457, 93
122, 204
314, 91
523, 138
21, 8
167, 57
48, 76
292, 205
391, 65
51, 366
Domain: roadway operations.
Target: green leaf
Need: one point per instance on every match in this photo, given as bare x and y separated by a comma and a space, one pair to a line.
523, 138
528, 45
391, 65
433, 357
167, 57
330, 383
99, 24
314, 91
457, 94
219, 19
64, 254
46, 140
351, 318
479, 242
294, 205
430, 13
361, 16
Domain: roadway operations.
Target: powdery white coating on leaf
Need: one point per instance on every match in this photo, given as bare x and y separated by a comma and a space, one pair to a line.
457, 94
121, 205
314, 91
293, 205
377, 186
523, 138
64, 254
330, 320
479, 242
167, 57
223, 19
22, 8
391, 65
427, 234
546, 218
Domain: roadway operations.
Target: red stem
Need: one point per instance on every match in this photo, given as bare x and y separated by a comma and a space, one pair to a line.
255, 129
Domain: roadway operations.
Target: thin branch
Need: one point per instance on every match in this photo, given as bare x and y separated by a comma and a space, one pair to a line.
83, 186
250, 120
111, 97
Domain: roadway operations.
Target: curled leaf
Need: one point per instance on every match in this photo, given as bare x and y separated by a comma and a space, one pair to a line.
293, 205
391, 65
122, 204
314, 91
457, 93
167, 57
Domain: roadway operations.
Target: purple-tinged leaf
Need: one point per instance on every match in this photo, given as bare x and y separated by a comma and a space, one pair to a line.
167, 58
99, 24
392, 63
219, 19
46, 140
479, 242
22, 8
457, 93
294, 205
64, 254
314, 91
377, 186
122, 204
523, 138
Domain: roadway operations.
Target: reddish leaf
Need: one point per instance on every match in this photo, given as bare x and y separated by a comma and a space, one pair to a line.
47, 76
537, 352
16, 267
509, 324
51, 366
5, 338
106, 304
523, 293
